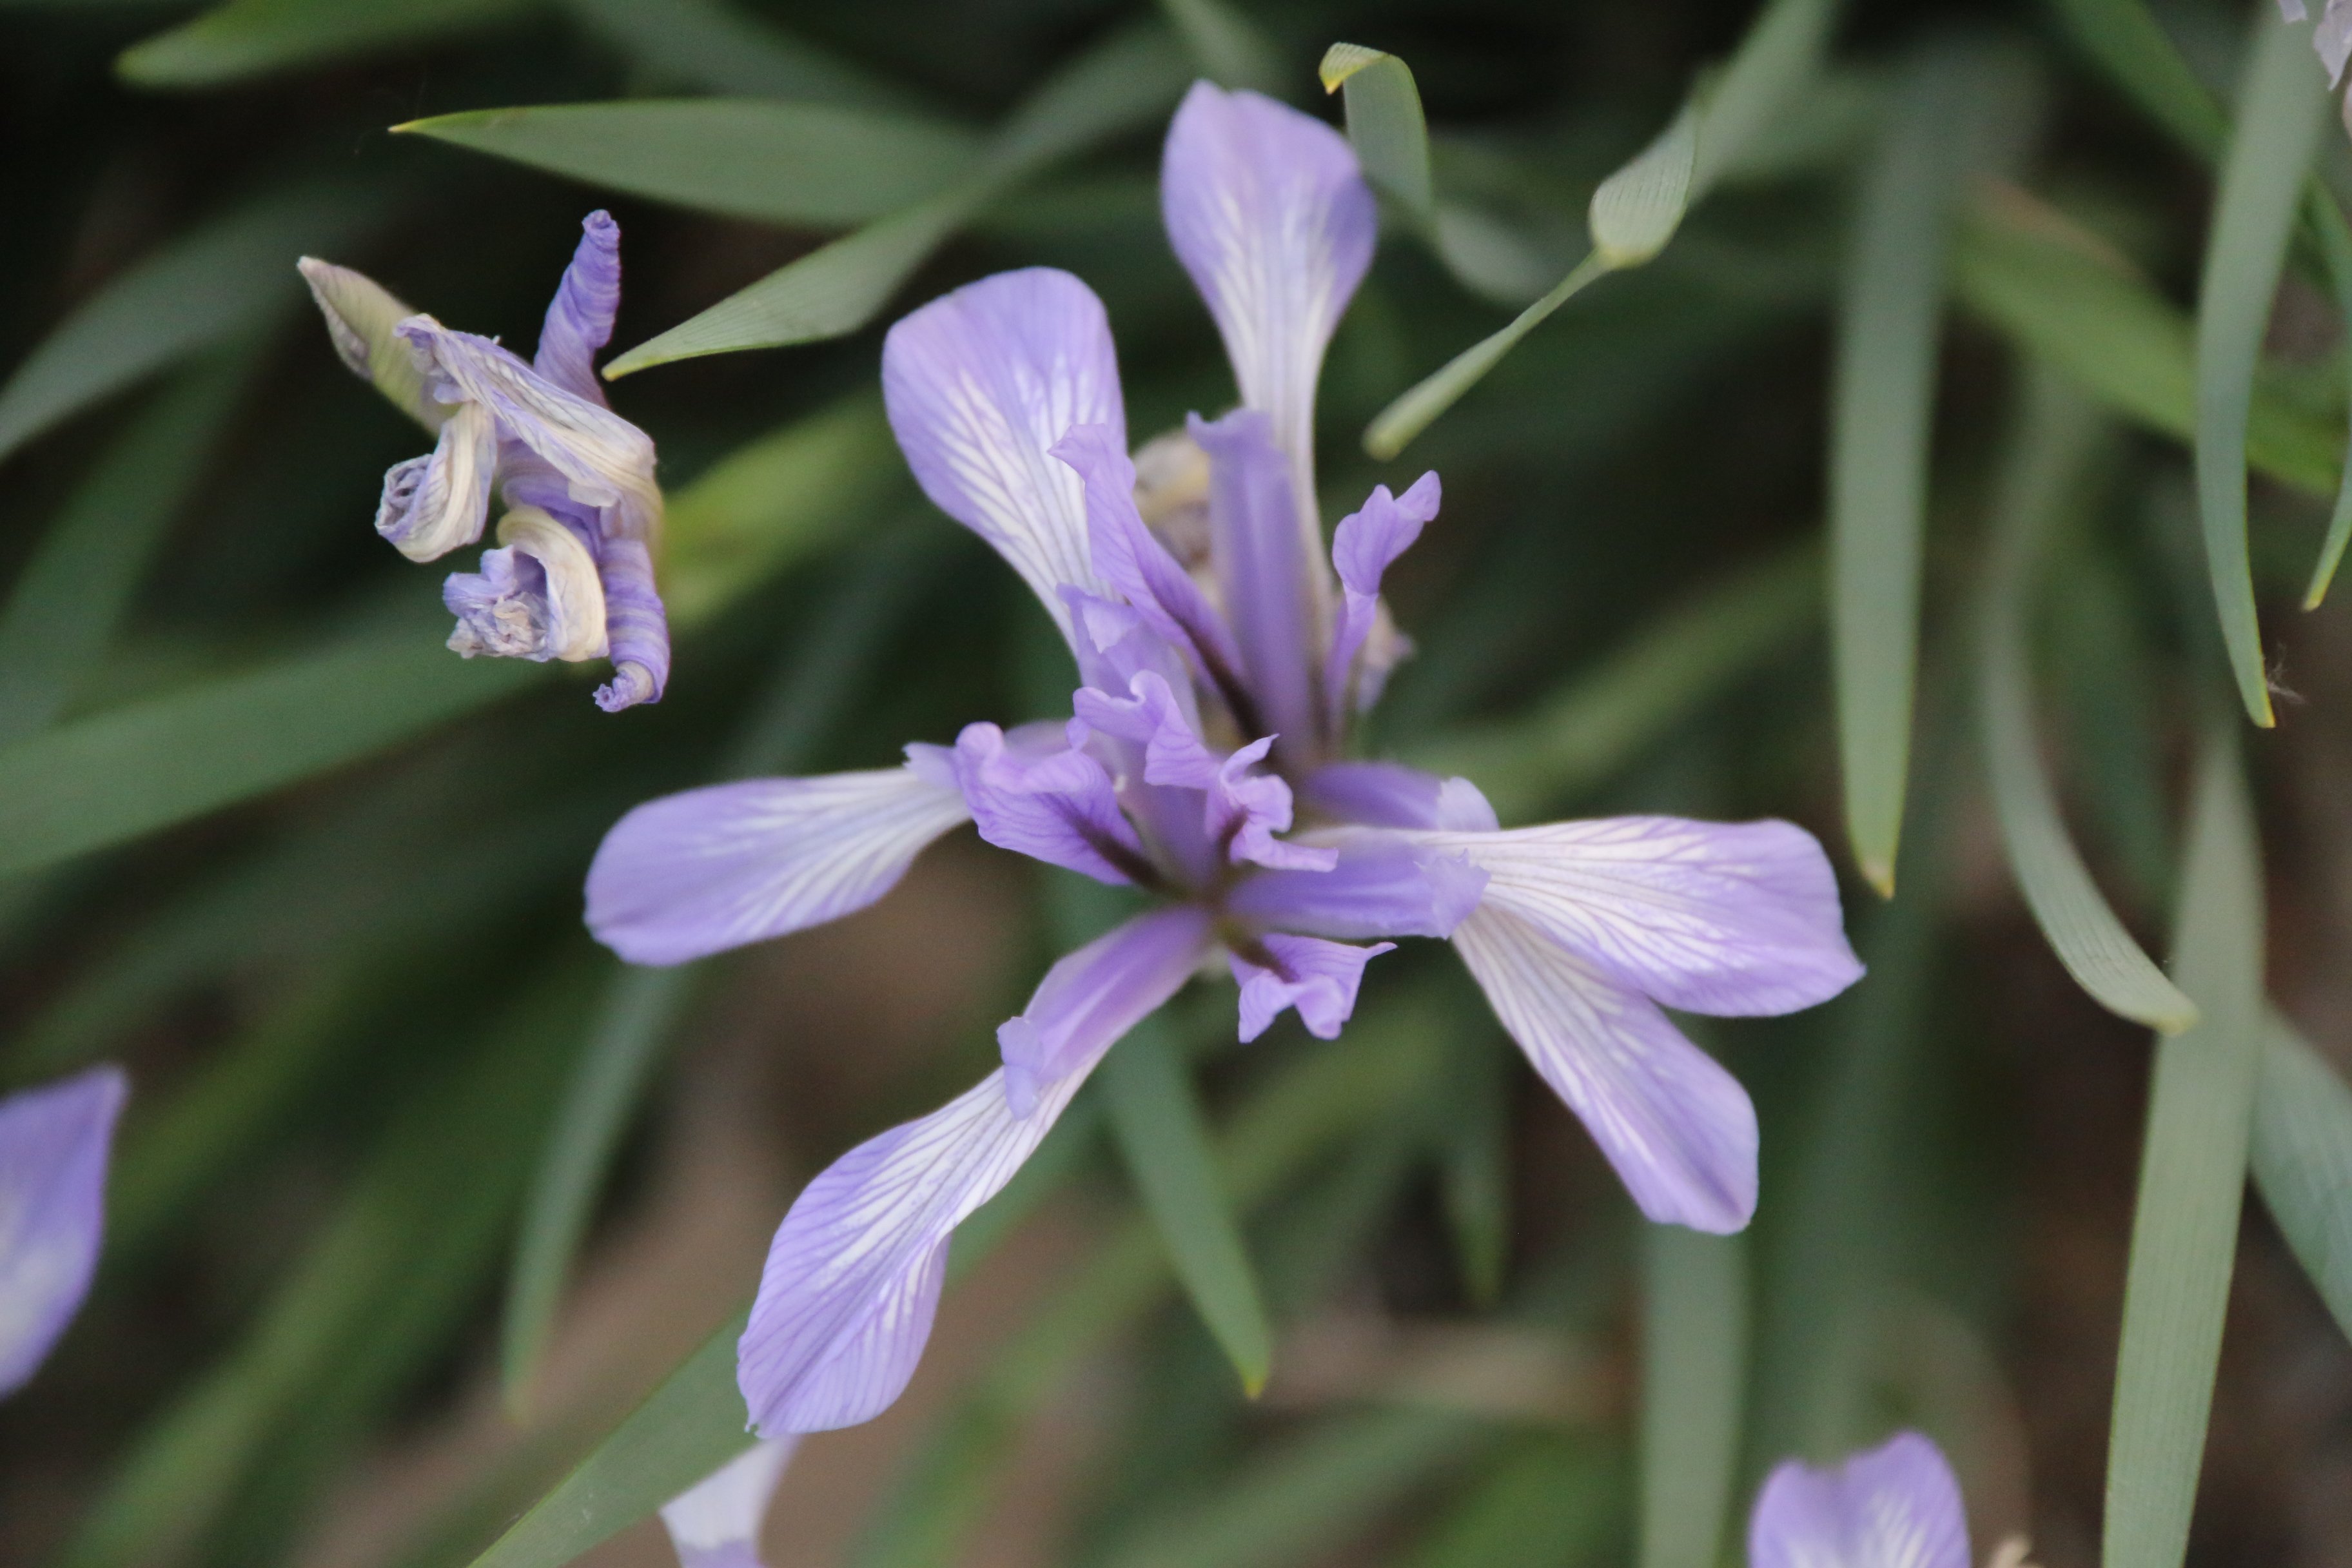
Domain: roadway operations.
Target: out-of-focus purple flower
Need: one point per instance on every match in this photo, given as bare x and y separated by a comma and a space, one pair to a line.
54, 1143
2332, 37
1220, 665
572, 576
1897, 1506
715, 1522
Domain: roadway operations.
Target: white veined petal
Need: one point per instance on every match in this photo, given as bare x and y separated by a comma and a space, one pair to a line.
575, 593
1897, 1506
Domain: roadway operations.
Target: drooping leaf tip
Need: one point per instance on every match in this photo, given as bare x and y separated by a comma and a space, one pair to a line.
1342, 61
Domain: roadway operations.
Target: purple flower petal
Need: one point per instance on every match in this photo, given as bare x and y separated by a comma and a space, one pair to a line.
980, 385
1320, 978
1261, 572
853, 1277
697, 873
539, 598
2333, 38
580, 317
54, 1143
1269, 214
1058, 806
636, 627
2292, 10
1735, 919
1363, 549
715, 1524
436, 503
1390, 795
1897, 1506
1383, 885
1678, 1129
1092, 997
1245, 810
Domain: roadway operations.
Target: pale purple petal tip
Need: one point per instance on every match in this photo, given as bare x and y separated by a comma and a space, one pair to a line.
1678, 1129
980, 385
1320, 978
1151, 716
697, 873
2333, 38
1091, 997
635, 624
54, 1145
1390, 795
2292, 10
1365, 545
1056, 805
715, 1524
1245, 810
580, 317
1897, 1506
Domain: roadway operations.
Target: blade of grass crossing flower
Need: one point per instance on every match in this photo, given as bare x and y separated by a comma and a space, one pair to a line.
721, 48
2335, 249
1165, 1140
1385, 124
799, 164
2191, 1180
249, 38
70, 596
213, 284
1695, 1295
1227, 45
2282, 103
2301, 1155
1882, 412
2056, 436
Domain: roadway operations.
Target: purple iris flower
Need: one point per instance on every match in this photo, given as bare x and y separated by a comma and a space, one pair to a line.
54, 1142
572, 577
1897, 1506
1205, 762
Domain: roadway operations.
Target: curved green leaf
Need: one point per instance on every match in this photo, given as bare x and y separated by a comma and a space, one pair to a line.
719, 47
248, 39
1384, 124
2303, 1161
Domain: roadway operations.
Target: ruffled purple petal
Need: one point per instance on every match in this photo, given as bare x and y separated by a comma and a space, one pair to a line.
636, 627
853, 1277
580, 317
1363, 549
54, 1144
1267, 211
715, 1524
1058, 806
697, 873
1261, 573
437, 503
1390, 795
539, 597
980, 385
1154, 717
1318, 978
1383, 885
1734, 918
1897, 1506
1092, 997
1678, 1129
1245, 810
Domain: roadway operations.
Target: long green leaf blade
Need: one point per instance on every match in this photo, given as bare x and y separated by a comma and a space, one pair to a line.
213, 284
777, 163
1385, 124
249, 38
1165, 1139
2281, 100
1228, 46
1777, 61
716, 45
2056, 435
2303, 1161
2335, 249
2133, 48
2192, 1180
1694, 1372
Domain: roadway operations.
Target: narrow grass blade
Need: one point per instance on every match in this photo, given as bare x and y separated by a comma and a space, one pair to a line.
2133, 48
719, 47
2192, 1180
1882, 412
1548, 1502
1385, 124
2335, 249
1600, 719
130, 770
1165, 1140
1777, 61
1228, 46
806, 163
1473, 1164
2303, 1161
2056, 438
2281, 101
249, 38
213, 284
68, 601
1694, 1375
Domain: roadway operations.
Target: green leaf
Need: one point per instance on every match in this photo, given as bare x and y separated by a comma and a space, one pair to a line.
1778, 63
217, 283
807, 164
2303, 1161
2335, 249
2191, 1180
1473, 1164
1228, 46
1165, 1141
1384, 124
249, 38
1890, 324
71, 596
1119, 86
1635, 211
2282, 102
1693, 1377
2133, 48
713, 45
1600, 719
2056, 436
1549, 1502
133, 769
773, 502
